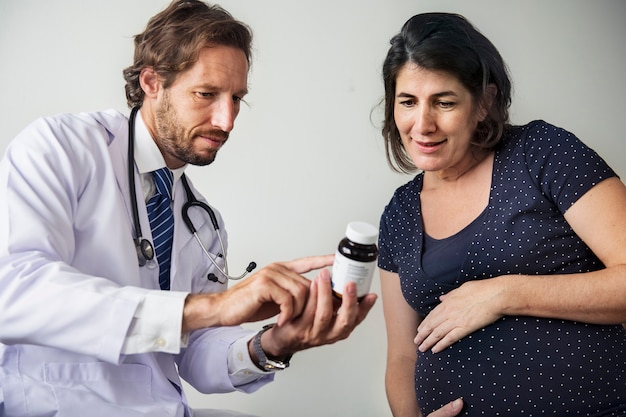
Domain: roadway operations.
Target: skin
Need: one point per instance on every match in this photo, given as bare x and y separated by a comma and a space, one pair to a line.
190, 121
436, 118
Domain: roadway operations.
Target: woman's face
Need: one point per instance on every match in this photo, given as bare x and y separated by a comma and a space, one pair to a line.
436, 117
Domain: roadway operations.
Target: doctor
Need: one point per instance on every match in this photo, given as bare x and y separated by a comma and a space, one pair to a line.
85, 327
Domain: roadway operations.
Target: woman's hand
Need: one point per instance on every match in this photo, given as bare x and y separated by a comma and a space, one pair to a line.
462, 311
451, 409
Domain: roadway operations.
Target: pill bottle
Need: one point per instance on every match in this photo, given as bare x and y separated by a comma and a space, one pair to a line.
355, 259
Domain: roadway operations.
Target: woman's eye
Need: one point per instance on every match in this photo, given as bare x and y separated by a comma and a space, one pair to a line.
407, 103
204, 94
446, 104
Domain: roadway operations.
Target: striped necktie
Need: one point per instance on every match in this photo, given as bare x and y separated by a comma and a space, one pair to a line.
162, 223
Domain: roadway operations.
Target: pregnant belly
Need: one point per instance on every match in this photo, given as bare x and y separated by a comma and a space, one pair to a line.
527, 366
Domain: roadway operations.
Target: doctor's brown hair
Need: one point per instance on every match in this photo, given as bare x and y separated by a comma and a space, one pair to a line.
172, 40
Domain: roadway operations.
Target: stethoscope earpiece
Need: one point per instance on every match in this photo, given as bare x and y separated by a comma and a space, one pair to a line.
213, 278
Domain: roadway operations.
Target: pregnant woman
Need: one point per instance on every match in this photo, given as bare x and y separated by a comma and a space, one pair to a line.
503, 261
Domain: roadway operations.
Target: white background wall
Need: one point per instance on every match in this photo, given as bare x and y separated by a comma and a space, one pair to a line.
306, 156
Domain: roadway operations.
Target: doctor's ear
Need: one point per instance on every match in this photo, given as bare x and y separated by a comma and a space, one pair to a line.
150, 82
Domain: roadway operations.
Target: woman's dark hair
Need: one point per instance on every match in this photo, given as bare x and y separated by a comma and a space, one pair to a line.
172, 41
448, 43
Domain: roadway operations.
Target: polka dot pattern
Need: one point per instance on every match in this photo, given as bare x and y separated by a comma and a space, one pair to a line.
518, 366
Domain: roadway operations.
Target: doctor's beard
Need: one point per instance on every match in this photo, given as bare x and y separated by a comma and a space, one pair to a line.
178, 142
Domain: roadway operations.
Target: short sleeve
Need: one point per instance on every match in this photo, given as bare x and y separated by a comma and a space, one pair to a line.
400, 226
562, 165
385, 258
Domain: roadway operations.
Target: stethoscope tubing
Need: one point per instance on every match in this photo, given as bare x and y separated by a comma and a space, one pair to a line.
192, 201
144, 248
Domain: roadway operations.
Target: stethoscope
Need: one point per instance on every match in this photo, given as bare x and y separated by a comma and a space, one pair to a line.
144, 248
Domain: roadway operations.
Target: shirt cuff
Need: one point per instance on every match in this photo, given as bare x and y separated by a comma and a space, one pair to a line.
241, 368
157, 324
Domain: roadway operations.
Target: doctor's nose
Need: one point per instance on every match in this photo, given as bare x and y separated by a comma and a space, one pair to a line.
223, 115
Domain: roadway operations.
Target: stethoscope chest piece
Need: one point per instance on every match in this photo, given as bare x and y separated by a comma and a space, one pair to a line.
145, 251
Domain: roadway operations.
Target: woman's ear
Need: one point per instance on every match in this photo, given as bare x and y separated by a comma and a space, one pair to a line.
487, 102
150, 82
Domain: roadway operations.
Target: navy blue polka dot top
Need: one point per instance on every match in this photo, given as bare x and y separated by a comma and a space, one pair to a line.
517, 366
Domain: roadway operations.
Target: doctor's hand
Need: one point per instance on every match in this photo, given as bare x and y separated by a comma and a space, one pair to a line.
278, 288
321, 323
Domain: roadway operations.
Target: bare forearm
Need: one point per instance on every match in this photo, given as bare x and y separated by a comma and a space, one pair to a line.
400, 389
200, 311
596, 297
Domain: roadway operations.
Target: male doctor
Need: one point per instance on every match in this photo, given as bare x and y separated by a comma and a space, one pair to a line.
86, 327
102, 307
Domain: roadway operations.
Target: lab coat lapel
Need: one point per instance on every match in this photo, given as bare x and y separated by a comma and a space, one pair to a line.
118, 149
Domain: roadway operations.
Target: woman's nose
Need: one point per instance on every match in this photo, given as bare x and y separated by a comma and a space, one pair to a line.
424, 121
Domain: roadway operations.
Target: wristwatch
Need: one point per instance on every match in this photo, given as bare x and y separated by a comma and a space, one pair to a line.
266, 363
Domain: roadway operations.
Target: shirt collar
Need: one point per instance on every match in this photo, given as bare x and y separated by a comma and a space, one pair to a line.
147, 154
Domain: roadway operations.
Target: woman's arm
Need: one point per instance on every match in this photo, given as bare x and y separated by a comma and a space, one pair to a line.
599, 297
599, 219
401, 323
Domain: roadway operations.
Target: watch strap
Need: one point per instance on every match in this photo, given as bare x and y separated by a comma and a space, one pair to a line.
266, 363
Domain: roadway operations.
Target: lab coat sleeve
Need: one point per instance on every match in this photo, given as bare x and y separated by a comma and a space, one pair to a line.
157, 324
202, 363
241, 368
57, 209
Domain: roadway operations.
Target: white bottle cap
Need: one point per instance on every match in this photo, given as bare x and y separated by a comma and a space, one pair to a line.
361, 232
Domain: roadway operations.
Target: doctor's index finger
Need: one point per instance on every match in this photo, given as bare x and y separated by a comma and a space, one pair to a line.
309, 263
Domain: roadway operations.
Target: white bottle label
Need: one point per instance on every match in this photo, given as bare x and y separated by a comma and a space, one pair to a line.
346, 270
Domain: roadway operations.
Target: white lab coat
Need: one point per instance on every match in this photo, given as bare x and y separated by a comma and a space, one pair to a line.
70, 282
